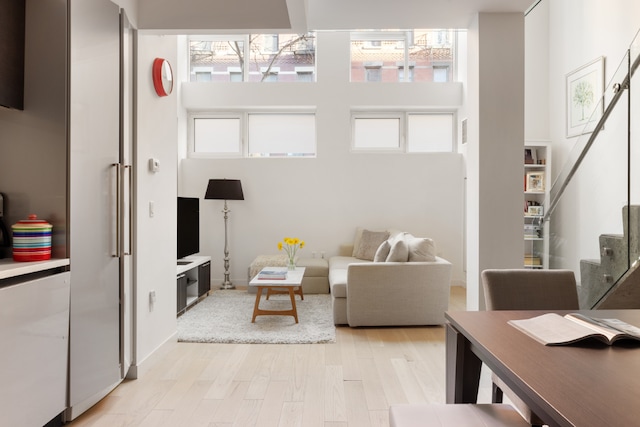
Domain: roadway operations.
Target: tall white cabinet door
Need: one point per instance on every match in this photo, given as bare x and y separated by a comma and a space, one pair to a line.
127, 35
95, 355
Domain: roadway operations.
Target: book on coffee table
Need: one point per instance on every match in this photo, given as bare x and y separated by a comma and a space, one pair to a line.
554, 329
272, 274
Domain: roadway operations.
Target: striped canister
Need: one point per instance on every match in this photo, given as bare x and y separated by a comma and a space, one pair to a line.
31, 239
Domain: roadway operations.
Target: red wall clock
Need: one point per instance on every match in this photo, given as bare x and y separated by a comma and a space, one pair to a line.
162, 77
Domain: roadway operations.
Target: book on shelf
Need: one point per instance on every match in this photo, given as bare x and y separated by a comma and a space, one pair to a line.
532, 260
272, 274
554, 329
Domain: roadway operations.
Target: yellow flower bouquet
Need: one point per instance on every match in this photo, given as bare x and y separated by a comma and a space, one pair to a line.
291, 246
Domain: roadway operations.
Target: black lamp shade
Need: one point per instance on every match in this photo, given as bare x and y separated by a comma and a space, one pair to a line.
224, 189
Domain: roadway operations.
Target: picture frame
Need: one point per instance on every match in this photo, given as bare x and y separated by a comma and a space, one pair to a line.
584, 97
535, 211
535, 182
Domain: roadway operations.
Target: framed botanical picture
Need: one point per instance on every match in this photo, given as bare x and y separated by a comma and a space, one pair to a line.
535, 181
584, 97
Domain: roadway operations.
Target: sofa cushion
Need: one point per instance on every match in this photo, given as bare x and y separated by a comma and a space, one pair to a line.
369, 243
382, 252
314, 267
421, 249
338, 283
338, 268
399, 249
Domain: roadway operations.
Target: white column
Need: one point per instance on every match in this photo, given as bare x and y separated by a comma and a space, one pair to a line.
495, 107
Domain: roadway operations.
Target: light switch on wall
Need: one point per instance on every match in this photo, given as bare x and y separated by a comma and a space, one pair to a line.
152, 209
154, 165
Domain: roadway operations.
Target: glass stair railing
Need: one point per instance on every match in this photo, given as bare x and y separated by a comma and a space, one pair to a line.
593, 215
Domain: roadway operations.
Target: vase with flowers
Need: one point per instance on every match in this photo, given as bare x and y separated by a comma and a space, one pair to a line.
291, 246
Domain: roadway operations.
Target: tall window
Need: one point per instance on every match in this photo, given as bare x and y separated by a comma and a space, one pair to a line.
396, 51
251, 54
440, 73
402, 77
373, 73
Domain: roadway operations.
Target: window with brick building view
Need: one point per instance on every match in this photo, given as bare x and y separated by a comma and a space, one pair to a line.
271, 58
376, 56
403, 56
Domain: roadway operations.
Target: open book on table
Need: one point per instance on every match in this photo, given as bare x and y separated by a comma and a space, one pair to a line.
553, 329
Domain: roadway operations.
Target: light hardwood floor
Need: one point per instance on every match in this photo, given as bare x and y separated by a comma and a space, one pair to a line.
348, 383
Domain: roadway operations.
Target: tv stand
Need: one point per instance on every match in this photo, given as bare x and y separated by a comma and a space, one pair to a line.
193, 281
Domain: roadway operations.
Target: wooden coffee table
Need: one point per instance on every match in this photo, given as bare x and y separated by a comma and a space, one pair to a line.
291, 285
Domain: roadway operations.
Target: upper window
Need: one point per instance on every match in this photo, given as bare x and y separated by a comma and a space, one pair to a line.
252, 58
427, 55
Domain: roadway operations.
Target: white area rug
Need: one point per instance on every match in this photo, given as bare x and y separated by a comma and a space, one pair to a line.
225, 317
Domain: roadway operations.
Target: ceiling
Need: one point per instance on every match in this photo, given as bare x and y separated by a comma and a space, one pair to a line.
298, 16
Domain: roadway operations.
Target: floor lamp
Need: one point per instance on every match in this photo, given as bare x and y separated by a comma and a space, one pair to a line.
225, 189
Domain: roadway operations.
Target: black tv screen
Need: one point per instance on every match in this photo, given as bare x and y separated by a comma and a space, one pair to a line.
188, 226
12, 45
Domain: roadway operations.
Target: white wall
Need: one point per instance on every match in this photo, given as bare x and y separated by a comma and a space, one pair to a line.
323, 200
536, 118
592, 204
155, 249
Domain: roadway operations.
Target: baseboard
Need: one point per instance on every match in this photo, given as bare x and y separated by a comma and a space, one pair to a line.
460, 283
139, 369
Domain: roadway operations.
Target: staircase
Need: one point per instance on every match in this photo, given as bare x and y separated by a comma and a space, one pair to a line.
610, 282
613, 280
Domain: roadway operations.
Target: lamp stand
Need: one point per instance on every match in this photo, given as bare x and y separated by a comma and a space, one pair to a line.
227, 283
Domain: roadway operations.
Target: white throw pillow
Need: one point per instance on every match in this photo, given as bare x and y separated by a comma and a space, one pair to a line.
422, 249
369, 244
382, 252
399, 249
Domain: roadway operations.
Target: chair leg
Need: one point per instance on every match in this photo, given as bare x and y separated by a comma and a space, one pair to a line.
496, 394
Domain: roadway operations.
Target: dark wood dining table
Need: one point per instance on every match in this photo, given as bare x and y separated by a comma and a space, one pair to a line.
583, 384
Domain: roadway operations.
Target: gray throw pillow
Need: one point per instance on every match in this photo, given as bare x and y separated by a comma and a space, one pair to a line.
369, 244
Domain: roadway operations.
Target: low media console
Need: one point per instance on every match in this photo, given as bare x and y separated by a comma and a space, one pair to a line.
194, 280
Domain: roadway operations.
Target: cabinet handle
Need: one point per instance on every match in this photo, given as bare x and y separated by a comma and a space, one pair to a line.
117, 167
129, 170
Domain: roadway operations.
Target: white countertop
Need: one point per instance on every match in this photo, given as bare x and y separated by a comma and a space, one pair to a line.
187, 263
10, 268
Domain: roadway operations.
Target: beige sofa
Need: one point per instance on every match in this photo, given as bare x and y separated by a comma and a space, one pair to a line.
387, 292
